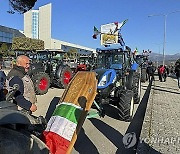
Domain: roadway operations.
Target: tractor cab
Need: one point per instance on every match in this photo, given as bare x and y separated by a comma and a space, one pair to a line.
113, 57
85, 63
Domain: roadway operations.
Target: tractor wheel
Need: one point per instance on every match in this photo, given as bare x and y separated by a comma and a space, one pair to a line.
41, 82
136, 88
65, 77
143, 75
126, 105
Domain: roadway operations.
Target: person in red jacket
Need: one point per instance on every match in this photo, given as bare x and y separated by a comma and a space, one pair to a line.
161, 73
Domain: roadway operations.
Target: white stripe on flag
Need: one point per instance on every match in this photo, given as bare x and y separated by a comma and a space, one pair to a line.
74, 105
61, 126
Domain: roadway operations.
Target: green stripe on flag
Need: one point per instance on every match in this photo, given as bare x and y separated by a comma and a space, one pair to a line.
70, 112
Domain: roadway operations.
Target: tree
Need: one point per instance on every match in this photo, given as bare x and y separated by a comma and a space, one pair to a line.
11, 53
72, 53
4, 49
27, 44
21, 6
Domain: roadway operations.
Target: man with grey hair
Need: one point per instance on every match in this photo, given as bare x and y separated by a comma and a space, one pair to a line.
25, 97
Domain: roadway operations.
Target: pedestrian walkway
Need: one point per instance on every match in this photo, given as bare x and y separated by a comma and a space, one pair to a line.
161, 127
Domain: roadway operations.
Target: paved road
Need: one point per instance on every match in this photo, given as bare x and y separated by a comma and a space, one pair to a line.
52, 97
98, 135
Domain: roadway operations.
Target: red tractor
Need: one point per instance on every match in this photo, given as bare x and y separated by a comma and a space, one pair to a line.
85, 63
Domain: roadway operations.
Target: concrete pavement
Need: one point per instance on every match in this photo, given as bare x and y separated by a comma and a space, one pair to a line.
161, 127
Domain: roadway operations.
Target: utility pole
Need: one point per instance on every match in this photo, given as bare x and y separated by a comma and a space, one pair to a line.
165, 20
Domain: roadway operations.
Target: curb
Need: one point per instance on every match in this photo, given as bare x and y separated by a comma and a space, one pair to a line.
145, 137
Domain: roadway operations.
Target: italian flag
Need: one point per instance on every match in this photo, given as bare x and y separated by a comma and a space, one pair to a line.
61, 127
96, 32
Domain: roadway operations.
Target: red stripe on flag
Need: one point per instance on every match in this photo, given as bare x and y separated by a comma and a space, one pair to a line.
56, 143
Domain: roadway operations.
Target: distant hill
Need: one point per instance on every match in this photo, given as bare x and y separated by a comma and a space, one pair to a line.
168, 58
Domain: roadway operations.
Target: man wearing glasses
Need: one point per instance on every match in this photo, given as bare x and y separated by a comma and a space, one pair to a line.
25, 97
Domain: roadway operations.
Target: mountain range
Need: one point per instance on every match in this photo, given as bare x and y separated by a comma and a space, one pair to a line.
159, 57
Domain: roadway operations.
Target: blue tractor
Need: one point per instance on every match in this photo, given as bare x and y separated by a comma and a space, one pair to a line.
118, 79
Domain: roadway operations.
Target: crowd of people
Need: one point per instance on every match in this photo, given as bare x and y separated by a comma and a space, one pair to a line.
164, 71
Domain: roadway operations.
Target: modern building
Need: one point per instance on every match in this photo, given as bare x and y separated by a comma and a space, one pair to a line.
37, 24
7, 34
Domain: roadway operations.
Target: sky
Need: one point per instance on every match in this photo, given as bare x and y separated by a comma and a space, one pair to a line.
73, 21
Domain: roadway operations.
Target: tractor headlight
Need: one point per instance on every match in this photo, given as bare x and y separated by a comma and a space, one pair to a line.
103, 81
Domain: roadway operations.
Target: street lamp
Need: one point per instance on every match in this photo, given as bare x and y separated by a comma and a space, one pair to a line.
165, 18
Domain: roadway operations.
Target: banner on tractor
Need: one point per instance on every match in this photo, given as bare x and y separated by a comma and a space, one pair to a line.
109, 32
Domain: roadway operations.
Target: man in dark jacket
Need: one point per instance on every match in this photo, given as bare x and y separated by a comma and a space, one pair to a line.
25, 97
150, 71
177, 71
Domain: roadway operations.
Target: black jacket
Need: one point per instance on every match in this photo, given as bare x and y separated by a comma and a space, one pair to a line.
15, 77
2, 82
150, 70
177, 70
2, 79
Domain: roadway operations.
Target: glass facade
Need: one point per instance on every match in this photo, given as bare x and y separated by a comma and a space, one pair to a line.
6, 37
35, 25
